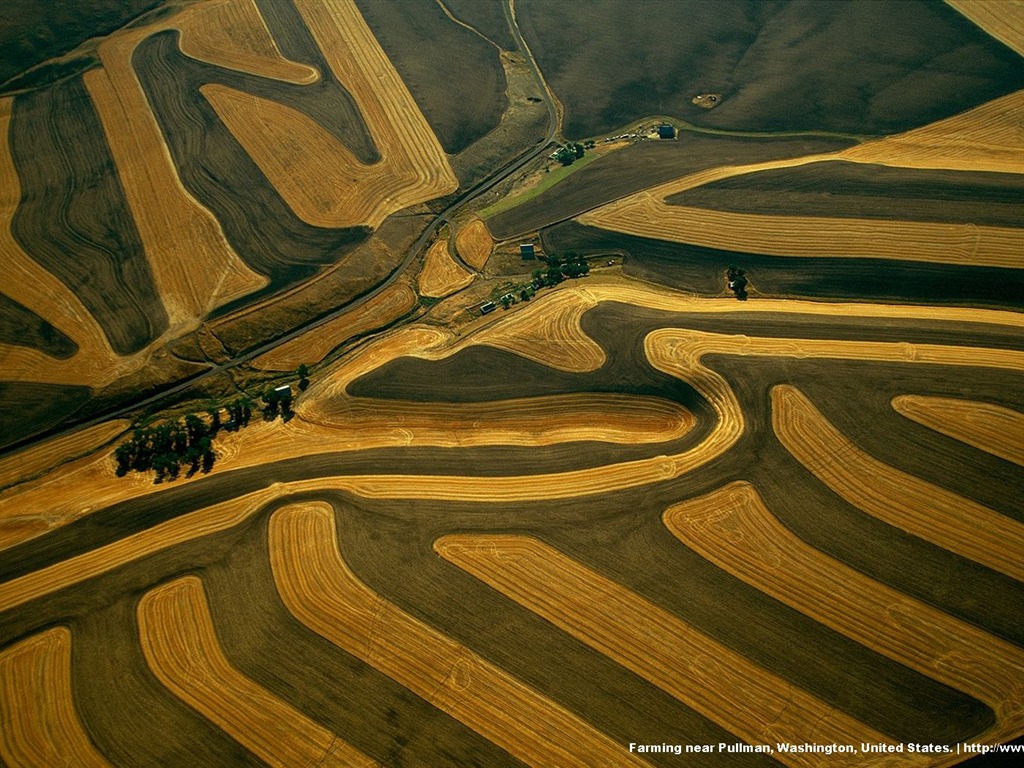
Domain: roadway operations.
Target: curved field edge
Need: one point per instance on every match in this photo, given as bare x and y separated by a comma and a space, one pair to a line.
751, 702
38, 722
985, 426
733, 528
180, 644
944, 518
321, 592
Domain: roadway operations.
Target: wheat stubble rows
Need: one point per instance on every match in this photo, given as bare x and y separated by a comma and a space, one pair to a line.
718, 682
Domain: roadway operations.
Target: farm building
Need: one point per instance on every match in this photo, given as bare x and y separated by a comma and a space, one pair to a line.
666, 131
526, 250
487, 307
284, 389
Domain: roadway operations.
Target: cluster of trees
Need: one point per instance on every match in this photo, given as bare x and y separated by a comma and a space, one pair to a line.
570, 153
737, 282
570, 267
168, 447
278, 403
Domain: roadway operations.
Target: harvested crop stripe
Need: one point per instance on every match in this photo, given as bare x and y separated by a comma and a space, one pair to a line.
193, 274
744, 698
441, 274
551, 336
1004, 20
233, 34
673, 351
320, 590
986, 426
897, 498
39, 291
180, 644
647, 215
473, 242
44, 456
336, 188
734, 529
315, 344
38, 723
986, 138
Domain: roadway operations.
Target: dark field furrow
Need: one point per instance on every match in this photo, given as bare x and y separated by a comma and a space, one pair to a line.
859, 190
130, 716
864, 68
326, 100
73, 218
702, 270
455, 76
28, 408
389, 546
215, 168
353, 700
486, 17
643, 165
23, 327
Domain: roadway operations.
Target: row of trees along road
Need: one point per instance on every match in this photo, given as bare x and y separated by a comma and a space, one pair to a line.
171, 446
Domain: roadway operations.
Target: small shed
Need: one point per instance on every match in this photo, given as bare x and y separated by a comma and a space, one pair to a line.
527, 251
285, 390
487, 307
666, 131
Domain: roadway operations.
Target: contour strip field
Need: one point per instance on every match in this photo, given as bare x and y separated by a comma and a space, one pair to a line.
193, 274
39, 726
742, 697
732, 528
985, 426
674, 351
473, 242
441, 274
1004, 20
180, 644
314, 345
413, 167
320, 590
233, 34
895, 497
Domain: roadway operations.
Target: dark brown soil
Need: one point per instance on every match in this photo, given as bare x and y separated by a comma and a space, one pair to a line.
860, 190
487, 17
27, 408
865, 68
455, 76
23, 327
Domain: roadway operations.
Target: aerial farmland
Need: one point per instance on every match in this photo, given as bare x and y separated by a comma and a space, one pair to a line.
553, 383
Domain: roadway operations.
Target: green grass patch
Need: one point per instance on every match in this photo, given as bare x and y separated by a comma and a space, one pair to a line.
549, 180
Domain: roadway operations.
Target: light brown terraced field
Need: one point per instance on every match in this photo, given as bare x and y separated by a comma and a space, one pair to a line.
38, 722
647, 215
316, 175
57, 500
900, 499
315, 344
441, 274
986, 426
751, 702
233, 34
47, 455
734, 529
322, 593
180, 643
193, 274
473, 242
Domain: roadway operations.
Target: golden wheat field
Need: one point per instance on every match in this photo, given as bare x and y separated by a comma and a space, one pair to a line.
280, 484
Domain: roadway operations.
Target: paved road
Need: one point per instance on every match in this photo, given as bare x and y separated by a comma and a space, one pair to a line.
444, 216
